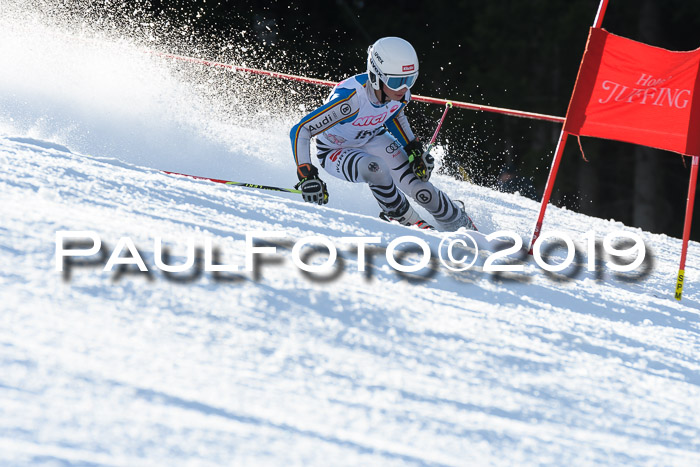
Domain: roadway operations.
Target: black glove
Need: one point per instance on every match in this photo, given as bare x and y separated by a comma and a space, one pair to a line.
313, 189
421, 164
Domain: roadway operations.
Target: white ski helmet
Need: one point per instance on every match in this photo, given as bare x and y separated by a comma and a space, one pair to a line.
394, 61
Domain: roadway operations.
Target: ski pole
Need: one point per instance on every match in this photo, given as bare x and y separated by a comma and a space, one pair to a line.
228, 182
431, 144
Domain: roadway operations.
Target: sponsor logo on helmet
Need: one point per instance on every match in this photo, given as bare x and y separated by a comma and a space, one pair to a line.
378, 57
408, 68
370, 120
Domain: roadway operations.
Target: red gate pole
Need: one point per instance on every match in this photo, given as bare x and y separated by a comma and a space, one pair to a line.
688, 222
560, 148
601, 13
550, 186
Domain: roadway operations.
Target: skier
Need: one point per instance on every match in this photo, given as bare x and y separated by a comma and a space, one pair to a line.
363, 135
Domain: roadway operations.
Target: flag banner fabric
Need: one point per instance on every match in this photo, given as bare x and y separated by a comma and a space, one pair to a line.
633, 92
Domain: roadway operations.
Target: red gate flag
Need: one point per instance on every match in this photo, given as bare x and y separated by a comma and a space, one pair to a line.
633, 92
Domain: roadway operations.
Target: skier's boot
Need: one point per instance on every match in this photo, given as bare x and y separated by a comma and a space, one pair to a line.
461, 220
409, 218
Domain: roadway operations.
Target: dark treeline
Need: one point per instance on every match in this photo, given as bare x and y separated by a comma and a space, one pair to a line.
506, 53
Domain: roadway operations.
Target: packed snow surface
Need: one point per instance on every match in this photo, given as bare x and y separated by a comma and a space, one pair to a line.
279, 366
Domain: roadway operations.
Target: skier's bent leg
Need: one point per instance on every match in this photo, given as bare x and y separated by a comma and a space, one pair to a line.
374, 171
438, 204
449, 215
356, 166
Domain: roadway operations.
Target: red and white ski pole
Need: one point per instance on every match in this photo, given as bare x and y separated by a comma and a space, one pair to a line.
431, 144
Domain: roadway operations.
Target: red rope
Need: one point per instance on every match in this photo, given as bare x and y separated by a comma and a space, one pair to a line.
322, 82
581, 148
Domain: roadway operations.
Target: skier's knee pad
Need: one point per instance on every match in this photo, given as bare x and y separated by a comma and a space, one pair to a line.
373, 170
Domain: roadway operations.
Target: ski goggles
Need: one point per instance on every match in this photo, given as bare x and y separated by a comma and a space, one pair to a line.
397, 82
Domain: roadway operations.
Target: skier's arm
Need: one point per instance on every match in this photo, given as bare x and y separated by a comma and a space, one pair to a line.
421, 164
341, 107
400, 128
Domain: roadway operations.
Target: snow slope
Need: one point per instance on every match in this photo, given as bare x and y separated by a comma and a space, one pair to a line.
279, 367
